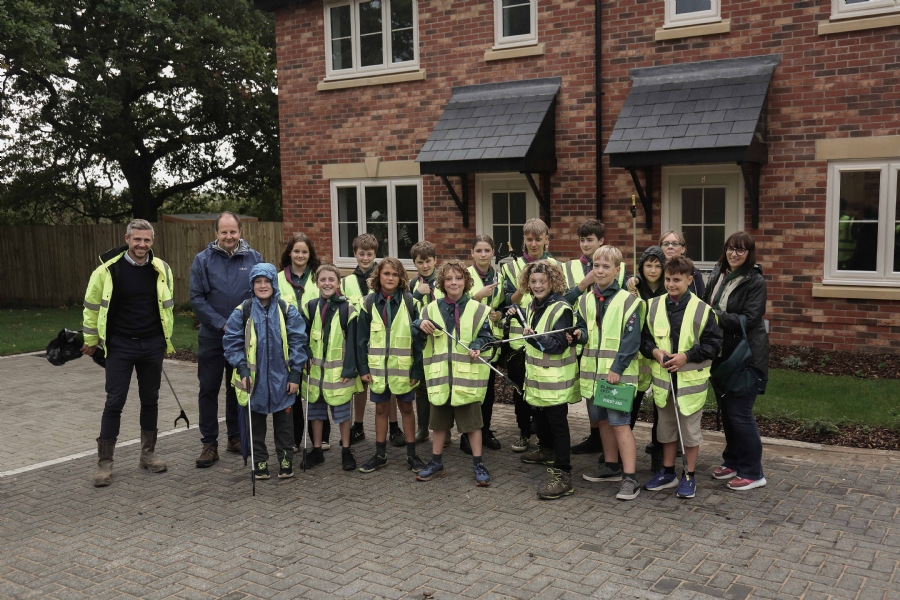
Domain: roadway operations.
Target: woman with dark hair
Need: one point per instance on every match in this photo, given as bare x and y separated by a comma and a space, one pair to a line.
737, 289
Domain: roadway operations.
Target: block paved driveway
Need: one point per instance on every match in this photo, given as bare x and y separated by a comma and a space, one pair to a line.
825, 526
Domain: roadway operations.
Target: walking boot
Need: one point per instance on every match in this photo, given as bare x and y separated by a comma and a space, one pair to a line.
208, 456
105, 448
560, 485
423, 413
149, 460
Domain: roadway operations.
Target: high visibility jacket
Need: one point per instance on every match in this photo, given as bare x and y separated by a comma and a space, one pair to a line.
390, 352
289, 294
492, 302
450, 373
99, 292
251, 343
425, 300
692, 385
350, 288
603, 344
846, 243
550, 379
326, 364
510, 272
574, 271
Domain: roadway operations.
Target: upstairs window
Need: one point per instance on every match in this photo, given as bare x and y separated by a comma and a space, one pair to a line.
844, 9
515, 23
367, 37
692, 12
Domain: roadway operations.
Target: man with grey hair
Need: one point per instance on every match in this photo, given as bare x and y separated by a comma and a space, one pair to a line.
128, 316
219, 282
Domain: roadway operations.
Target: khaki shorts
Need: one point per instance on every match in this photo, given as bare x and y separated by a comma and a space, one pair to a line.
667, 427
467, 416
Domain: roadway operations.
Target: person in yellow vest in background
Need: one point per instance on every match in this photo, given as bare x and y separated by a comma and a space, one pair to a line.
846, 239
551, 373
333, 379
355, 287
536, 236
264, 340
457, 381
682, 337
128, 317
609, 322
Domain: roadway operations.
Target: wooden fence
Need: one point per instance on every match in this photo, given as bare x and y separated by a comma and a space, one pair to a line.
50, 265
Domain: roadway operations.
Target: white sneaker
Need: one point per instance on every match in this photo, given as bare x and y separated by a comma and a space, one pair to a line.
326, 445
521, 444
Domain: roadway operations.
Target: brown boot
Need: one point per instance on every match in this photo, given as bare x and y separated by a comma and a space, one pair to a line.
208, 456
105, 448
148, 454
234, 444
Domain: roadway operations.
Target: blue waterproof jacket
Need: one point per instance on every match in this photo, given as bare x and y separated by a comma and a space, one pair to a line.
269, 393
219, 283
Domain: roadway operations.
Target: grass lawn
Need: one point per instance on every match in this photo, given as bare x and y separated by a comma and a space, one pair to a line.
32, 329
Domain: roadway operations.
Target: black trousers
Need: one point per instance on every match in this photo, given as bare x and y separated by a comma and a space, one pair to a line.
552, 423
126, 355
211, 366
283, 431
515, 369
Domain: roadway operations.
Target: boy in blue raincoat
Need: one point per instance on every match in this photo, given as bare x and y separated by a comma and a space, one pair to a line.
268, 357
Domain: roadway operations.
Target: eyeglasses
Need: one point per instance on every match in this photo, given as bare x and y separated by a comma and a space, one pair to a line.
735, 251
671, 244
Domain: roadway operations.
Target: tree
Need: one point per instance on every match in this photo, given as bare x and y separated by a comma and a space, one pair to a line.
164, 96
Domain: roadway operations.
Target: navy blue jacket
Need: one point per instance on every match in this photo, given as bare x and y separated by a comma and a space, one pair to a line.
219, 283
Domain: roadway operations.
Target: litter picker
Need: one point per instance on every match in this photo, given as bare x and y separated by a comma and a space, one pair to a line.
531, 335
678, 422
250, 430
492, 367
634, 229
306, 424
181, 416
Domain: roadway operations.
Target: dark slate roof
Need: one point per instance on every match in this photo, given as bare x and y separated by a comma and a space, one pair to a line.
688, 113
271, 5
495, 127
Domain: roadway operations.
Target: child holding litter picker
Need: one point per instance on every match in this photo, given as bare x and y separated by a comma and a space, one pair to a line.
331, 322
264, 340
456, 378
682, 337
609, 322
551, 373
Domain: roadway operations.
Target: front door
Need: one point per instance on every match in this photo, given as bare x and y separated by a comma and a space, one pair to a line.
504, 204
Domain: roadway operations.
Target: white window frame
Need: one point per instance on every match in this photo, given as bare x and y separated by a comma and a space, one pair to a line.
841, 10
360, 185
357, 70
514, 41
883, 275
713, 15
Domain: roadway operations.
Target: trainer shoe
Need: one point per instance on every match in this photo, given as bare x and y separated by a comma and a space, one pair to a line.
262, 470
482, 477
326, 445
375, 463
604, 473
629, 489
742, 483
464, 444
415, 463
588, 445
234, 444
313, 459
723, 472
348, 461
687, 488
208, 456
560, 485
541, 456
285, 471
490, 441
356, 435
430, 471
521, 444
661, 481
397, 437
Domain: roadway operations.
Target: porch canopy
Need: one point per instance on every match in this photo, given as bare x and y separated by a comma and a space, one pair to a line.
495, 128
695, 113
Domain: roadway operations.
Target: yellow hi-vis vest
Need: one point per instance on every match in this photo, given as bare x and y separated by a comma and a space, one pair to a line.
350, 289
846, 243
550, 379
574, 272
511, 272
390, 355
289, 295
99, 292
450, 373
492, 302
426, 299
602, 346
325, 371
250, 345
692, 384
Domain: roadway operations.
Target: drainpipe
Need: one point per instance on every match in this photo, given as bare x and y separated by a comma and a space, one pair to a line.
597, 117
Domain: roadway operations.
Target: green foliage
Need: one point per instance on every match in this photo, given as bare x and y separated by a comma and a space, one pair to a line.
793, 362
820, 426
162, 96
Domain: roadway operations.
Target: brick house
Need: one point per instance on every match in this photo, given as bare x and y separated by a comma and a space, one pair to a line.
438, 120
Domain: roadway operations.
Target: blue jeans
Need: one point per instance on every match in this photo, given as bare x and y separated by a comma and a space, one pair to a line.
743, 446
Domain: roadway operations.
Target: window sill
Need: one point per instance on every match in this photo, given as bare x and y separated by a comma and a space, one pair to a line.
515, 52
821, 290
724, 26
827, 27
342, 84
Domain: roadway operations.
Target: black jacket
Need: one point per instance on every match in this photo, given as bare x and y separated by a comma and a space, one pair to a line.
749, 299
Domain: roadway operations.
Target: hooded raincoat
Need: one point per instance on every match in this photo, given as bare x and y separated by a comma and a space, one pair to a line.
269, 393
643, 287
